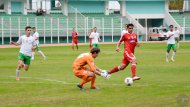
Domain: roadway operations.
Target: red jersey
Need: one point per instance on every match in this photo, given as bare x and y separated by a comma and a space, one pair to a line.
74, 36
130, 41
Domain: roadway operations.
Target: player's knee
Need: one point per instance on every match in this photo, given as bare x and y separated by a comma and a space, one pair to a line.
134, 61
91, 74
121, 67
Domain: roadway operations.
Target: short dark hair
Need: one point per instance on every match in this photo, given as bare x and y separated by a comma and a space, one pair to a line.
33, 27
27, 27
95, 50
130, 25
171, 26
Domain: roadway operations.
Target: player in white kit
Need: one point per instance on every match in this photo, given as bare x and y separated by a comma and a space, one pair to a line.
95, 36
171, 43
27, 44
177, 36
36, 37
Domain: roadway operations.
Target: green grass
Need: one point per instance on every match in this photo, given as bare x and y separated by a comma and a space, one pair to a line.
51, 83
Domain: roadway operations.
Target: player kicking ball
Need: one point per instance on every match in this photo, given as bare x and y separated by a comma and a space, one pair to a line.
85, 69
28, 44
130, 41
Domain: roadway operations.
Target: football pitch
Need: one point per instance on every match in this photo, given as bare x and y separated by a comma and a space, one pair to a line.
51, 83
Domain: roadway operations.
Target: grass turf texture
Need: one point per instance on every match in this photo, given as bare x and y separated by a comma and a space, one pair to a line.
52, 83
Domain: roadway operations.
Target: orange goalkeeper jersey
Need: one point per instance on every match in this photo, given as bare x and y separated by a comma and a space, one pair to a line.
84, 59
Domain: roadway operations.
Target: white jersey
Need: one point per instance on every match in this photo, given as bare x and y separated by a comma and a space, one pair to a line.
26, 44
36, 37
123, 32
171, 40
95, 37
177, 33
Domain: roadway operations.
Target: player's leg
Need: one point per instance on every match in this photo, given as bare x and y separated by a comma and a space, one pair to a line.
87, 78
72, 44
19, 66
168, 51
77, 45
93, 82
177, 41
40, 52
174, 52
124, 64
131, 58
90, 43
33, 53
133, 70
27, 62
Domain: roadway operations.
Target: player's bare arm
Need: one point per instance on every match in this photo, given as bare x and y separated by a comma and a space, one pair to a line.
138, 44
117, 47
14, 43
170, 35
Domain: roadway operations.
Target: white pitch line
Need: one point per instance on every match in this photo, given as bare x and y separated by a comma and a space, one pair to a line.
64, 82
22, 82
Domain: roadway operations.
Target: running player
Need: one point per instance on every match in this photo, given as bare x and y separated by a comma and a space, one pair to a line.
171, 43
28, 44
36, 37
130, 41
85, 69
74, 38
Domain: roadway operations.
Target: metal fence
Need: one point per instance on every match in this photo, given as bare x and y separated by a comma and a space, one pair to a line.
54, 29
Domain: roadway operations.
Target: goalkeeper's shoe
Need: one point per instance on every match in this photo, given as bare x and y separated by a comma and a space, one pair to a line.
94, 88
81, 88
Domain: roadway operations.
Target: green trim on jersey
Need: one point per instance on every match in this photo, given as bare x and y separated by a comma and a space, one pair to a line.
169, 46
24, 58
95, 45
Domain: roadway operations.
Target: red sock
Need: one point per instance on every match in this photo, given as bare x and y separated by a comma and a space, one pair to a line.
115, 69
133, 70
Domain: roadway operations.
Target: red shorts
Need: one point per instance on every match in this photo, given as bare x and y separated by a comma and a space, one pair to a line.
128, 56
75, 41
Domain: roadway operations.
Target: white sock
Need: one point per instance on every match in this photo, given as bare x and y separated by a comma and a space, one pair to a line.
17, 73
42, 54
173, 55
33, 53
167, 55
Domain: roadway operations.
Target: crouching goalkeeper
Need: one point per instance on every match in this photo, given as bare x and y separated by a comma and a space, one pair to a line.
85, 69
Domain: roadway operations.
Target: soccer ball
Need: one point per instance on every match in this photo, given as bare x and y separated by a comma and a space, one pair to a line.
128, 81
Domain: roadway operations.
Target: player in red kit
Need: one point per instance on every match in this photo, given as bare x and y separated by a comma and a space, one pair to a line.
130, 41
74, 38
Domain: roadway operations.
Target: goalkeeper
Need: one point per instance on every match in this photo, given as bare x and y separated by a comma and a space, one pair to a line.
85, 69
